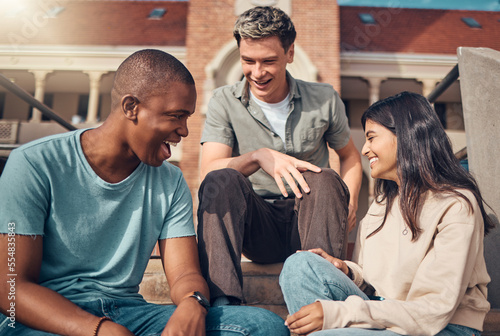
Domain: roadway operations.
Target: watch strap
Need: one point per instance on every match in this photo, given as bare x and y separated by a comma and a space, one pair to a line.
202, 300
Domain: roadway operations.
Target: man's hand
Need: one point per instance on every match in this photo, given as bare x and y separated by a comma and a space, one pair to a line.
308, 319
187, 319
340, 264
281, 166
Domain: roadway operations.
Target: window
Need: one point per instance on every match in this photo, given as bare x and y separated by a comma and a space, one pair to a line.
471, 22
83, 106
347, 110
440, 109
367, 18
157, 13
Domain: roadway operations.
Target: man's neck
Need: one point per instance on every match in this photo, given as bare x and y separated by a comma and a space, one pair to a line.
107, 156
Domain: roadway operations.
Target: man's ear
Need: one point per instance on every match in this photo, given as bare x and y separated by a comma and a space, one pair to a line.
129, 106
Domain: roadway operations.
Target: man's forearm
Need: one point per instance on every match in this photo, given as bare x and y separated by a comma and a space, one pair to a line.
43, 309
246, 164
352, 173
187, 284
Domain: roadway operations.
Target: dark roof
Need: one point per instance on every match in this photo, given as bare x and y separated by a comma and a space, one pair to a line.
425, 31
95, 23
104, 22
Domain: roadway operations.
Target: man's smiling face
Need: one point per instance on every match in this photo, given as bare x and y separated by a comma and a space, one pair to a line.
264, 65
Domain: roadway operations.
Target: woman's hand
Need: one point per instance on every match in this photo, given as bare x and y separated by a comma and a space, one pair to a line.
308, 319
340, 264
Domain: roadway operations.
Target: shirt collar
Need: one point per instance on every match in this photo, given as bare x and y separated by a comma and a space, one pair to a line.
241, 90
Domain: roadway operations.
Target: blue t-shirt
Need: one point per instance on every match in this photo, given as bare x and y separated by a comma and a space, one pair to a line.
97, 236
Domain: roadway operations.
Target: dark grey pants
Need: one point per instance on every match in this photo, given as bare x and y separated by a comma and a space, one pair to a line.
234, 220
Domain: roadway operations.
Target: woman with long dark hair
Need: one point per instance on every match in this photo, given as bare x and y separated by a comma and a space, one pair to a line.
418, 265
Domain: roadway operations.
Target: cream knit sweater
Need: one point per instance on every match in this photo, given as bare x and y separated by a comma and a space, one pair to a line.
441, 278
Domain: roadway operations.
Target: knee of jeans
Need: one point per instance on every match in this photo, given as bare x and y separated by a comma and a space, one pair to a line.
245, 320
326, 177
295, 267
328, 181
222, 176
217, 183
267, 323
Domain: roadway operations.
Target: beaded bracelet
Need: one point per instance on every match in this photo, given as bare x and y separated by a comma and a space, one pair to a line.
98, 325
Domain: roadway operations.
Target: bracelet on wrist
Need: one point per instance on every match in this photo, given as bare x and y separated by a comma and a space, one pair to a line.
98, 325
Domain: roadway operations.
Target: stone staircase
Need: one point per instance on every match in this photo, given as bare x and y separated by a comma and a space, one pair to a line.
261, 289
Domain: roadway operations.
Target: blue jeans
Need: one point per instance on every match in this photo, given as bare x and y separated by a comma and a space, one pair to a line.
307, 277
147, 319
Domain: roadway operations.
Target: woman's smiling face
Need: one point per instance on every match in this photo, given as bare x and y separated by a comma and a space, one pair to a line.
381, 149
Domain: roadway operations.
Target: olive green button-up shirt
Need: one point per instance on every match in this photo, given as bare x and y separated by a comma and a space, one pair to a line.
316, 120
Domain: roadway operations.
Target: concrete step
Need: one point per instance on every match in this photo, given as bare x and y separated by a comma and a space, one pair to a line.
261, 289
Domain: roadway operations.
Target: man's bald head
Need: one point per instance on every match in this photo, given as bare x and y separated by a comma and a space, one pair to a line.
148, 73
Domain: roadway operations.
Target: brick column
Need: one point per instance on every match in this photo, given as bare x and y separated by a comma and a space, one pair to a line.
209, 27
318, 32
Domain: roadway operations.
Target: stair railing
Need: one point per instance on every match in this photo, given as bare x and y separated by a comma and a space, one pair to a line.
32, 101
449, 79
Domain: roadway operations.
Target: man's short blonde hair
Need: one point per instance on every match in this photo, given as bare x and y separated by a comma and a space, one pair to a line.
262, 22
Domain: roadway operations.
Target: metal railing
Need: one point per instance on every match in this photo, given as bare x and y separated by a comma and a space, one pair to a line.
449, 79
32, 101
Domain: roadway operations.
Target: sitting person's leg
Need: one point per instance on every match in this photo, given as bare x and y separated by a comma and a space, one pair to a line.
233, 219
244, 320
147, 319
322, 213
221, 217
307, 277
12, 327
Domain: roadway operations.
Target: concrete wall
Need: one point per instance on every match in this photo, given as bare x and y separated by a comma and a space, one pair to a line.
479, 73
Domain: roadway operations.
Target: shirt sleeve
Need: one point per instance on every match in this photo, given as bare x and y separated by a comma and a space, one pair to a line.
217, 124
338, 132
24, 196
179, 219
438, 287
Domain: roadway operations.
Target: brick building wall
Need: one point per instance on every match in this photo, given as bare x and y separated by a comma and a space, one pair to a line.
209, 27
318, 33
210, 24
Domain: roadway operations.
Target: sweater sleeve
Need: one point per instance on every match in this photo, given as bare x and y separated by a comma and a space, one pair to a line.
356, 265
438, 287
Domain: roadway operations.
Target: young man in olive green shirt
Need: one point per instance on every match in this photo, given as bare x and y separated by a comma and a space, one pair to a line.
268, 189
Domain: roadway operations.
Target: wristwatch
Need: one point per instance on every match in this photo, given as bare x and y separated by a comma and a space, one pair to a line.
202, 300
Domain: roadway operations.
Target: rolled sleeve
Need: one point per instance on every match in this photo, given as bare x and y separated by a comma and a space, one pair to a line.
217, 125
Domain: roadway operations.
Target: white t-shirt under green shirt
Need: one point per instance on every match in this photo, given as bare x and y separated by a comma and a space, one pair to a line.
276, 114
